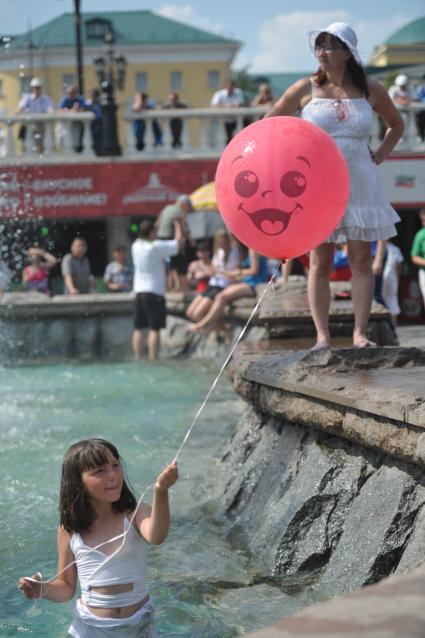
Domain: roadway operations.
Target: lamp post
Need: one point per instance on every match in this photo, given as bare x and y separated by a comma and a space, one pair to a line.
78, 47
110, 72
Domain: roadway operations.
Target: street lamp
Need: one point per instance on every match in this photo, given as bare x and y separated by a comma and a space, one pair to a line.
110, 72
78, 46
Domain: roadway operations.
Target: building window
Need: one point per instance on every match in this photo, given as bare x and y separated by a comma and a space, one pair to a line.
68, 79
141, 81
97, 28
176, 80
213, 79
25, 84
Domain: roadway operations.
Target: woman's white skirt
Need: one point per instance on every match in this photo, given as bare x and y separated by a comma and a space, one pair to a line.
369, 215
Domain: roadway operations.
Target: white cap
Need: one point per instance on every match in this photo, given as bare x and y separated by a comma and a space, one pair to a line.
36, 82
401, 80
344, 32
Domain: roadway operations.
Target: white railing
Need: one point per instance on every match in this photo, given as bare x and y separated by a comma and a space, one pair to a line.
203, 130
41, 136
410, 140
55, 137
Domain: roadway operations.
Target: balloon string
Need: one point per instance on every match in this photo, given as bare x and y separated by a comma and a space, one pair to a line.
176, 457
229, 356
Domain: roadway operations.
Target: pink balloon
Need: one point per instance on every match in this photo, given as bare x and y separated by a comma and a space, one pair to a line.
282, 186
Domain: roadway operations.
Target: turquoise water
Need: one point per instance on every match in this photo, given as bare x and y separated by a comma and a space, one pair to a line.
198, 581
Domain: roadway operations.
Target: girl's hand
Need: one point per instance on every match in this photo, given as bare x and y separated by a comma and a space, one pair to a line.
167, 478
30, 587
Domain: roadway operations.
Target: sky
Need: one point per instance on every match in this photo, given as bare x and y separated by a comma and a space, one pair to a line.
272, 32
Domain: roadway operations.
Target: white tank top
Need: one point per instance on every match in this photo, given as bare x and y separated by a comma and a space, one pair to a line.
127, 566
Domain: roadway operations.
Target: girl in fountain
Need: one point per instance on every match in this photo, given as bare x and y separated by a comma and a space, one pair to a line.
342, 100
103, 540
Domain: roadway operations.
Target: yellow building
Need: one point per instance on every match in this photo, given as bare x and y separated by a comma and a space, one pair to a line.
161, 54
405, 47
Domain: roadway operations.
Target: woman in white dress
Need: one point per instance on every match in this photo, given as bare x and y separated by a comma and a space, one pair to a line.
340, 99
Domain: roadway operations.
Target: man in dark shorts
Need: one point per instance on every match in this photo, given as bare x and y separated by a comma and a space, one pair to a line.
165, 230
149, 255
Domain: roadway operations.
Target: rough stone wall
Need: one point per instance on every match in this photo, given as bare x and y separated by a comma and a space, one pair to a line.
311, 505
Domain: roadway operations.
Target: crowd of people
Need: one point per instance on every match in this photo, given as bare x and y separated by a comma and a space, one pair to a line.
37, 102
340, 98
216, 273
402, 93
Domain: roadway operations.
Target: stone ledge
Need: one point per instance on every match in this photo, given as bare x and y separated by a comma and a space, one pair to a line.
38, 306
329, 391
391, 609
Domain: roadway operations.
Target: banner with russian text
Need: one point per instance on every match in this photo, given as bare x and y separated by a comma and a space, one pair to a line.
98, 189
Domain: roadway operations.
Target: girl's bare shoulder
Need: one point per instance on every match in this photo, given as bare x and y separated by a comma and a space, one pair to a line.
143, 511
64, 539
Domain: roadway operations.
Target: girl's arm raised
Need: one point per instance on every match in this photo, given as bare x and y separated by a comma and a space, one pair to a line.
154, 527
61, 588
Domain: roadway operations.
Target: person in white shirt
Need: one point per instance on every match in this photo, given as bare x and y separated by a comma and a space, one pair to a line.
391, 278
228, 98
35, 103
402, 95
149, 255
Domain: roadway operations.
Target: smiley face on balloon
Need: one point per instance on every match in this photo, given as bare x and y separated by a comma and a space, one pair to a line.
282, 186
269, 220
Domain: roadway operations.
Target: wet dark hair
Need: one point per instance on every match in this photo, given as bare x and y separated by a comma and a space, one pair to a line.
76, 513
355, 69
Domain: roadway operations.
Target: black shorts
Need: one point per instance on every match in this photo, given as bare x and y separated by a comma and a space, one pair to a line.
179, 263
211, 292
149, 311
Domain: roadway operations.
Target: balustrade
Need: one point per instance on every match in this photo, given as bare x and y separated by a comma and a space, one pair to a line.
55, 137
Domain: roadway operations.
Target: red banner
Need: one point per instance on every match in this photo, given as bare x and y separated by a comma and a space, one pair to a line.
98, 190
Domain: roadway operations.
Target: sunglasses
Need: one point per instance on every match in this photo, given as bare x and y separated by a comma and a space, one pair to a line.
327, 48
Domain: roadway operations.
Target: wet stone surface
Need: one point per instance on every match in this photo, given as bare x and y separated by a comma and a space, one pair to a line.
340, 493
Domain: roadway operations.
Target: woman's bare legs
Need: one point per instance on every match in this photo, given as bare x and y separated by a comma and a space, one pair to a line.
232, 292
360, 258
319, 294
198, 308
287, 269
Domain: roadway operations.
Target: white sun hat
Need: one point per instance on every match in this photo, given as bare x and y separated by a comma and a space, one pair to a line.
344, 32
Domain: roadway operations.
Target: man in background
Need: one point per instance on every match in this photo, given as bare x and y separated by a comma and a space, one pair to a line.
35, 103
165, 223
149, 255
228, 98
76, 270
